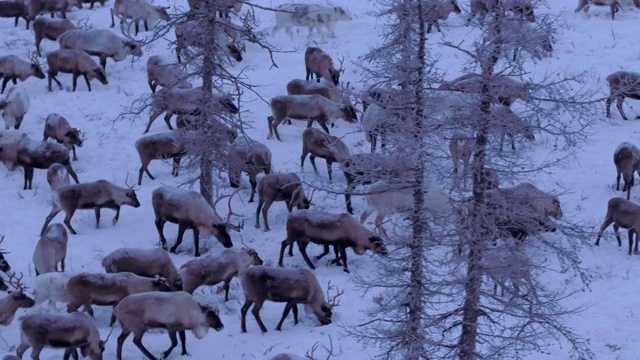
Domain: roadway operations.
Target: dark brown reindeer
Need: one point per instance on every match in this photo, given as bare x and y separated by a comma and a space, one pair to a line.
280, 187
627, 161
93, 195
190, 210
319, 144
341, 231
320, 64
624, 214
291, 286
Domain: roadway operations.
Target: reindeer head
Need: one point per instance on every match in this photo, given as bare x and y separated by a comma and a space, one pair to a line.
162, 13
74, 137
160, 283
221, 230
235, 52
134, 47
35, 65
132, 198
377, 245
98, 73
213, 317
255, 259
298, 198
227, 103
325, 310
18, 294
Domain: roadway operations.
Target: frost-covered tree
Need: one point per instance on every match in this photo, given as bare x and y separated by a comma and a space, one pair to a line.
433, 296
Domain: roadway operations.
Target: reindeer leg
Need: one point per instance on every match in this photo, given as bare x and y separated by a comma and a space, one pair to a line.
174, 343
329, 170
62, 263
137, 340
97, 217
4, 84
117, 217
619, 102
343, 255
254, 184
75, 80
325, 251
181, 229
302, 246
630, 232
312, 158
167, 120
196, 240
283, 246
616, 229
123, 336
50, 217
226, 287
21, 349
256, 314
265, 211
243, 315
67, 220
160, 226
285, 313
86, 80
183, 341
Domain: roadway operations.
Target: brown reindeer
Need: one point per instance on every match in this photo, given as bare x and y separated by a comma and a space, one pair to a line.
292, 286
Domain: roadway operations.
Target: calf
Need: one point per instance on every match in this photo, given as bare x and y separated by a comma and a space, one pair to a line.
280, 187
210, 270
251, 157
291, 286
92, 195
340, 230
50, 250
58, 128
14, 107
626, 158
57, 176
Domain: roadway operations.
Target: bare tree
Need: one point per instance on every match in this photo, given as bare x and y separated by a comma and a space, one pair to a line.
459, 313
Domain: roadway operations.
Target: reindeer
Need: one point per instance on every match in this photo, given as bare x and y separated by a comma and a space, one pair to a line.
138, 10
92, 195
280, 187
14, 300
340, 230
13, 68
320, 63
626, 158
210, 270
190, 210
32, 154
170, 145
68, 331
293, 286
57, 127
50, 250
308, 108
50, 29
143, 262
15, 9
76, 62
624, 214
318, 144
251, 157
622, 84
101, 43
175, 311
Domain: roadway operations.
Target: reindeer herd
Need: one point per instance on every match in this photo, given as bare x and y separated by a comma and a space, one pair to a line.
144, 286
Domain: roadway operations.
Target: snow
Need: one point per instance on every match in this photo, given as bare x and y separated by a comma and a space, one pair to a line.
588, 41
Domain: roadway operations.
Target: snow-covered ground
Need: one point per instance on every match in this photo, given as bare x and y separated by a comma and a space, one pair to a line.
587, 42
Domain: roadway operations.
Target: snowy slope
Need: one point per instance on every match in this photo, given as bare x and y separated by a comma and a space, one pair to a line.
590, 41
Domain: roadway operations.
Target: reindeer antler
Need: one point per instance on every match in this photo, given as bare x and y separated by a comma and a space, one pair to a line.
131, 187
33, 56
341, 61
238, 227
309, 353
332, 300
16, 282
